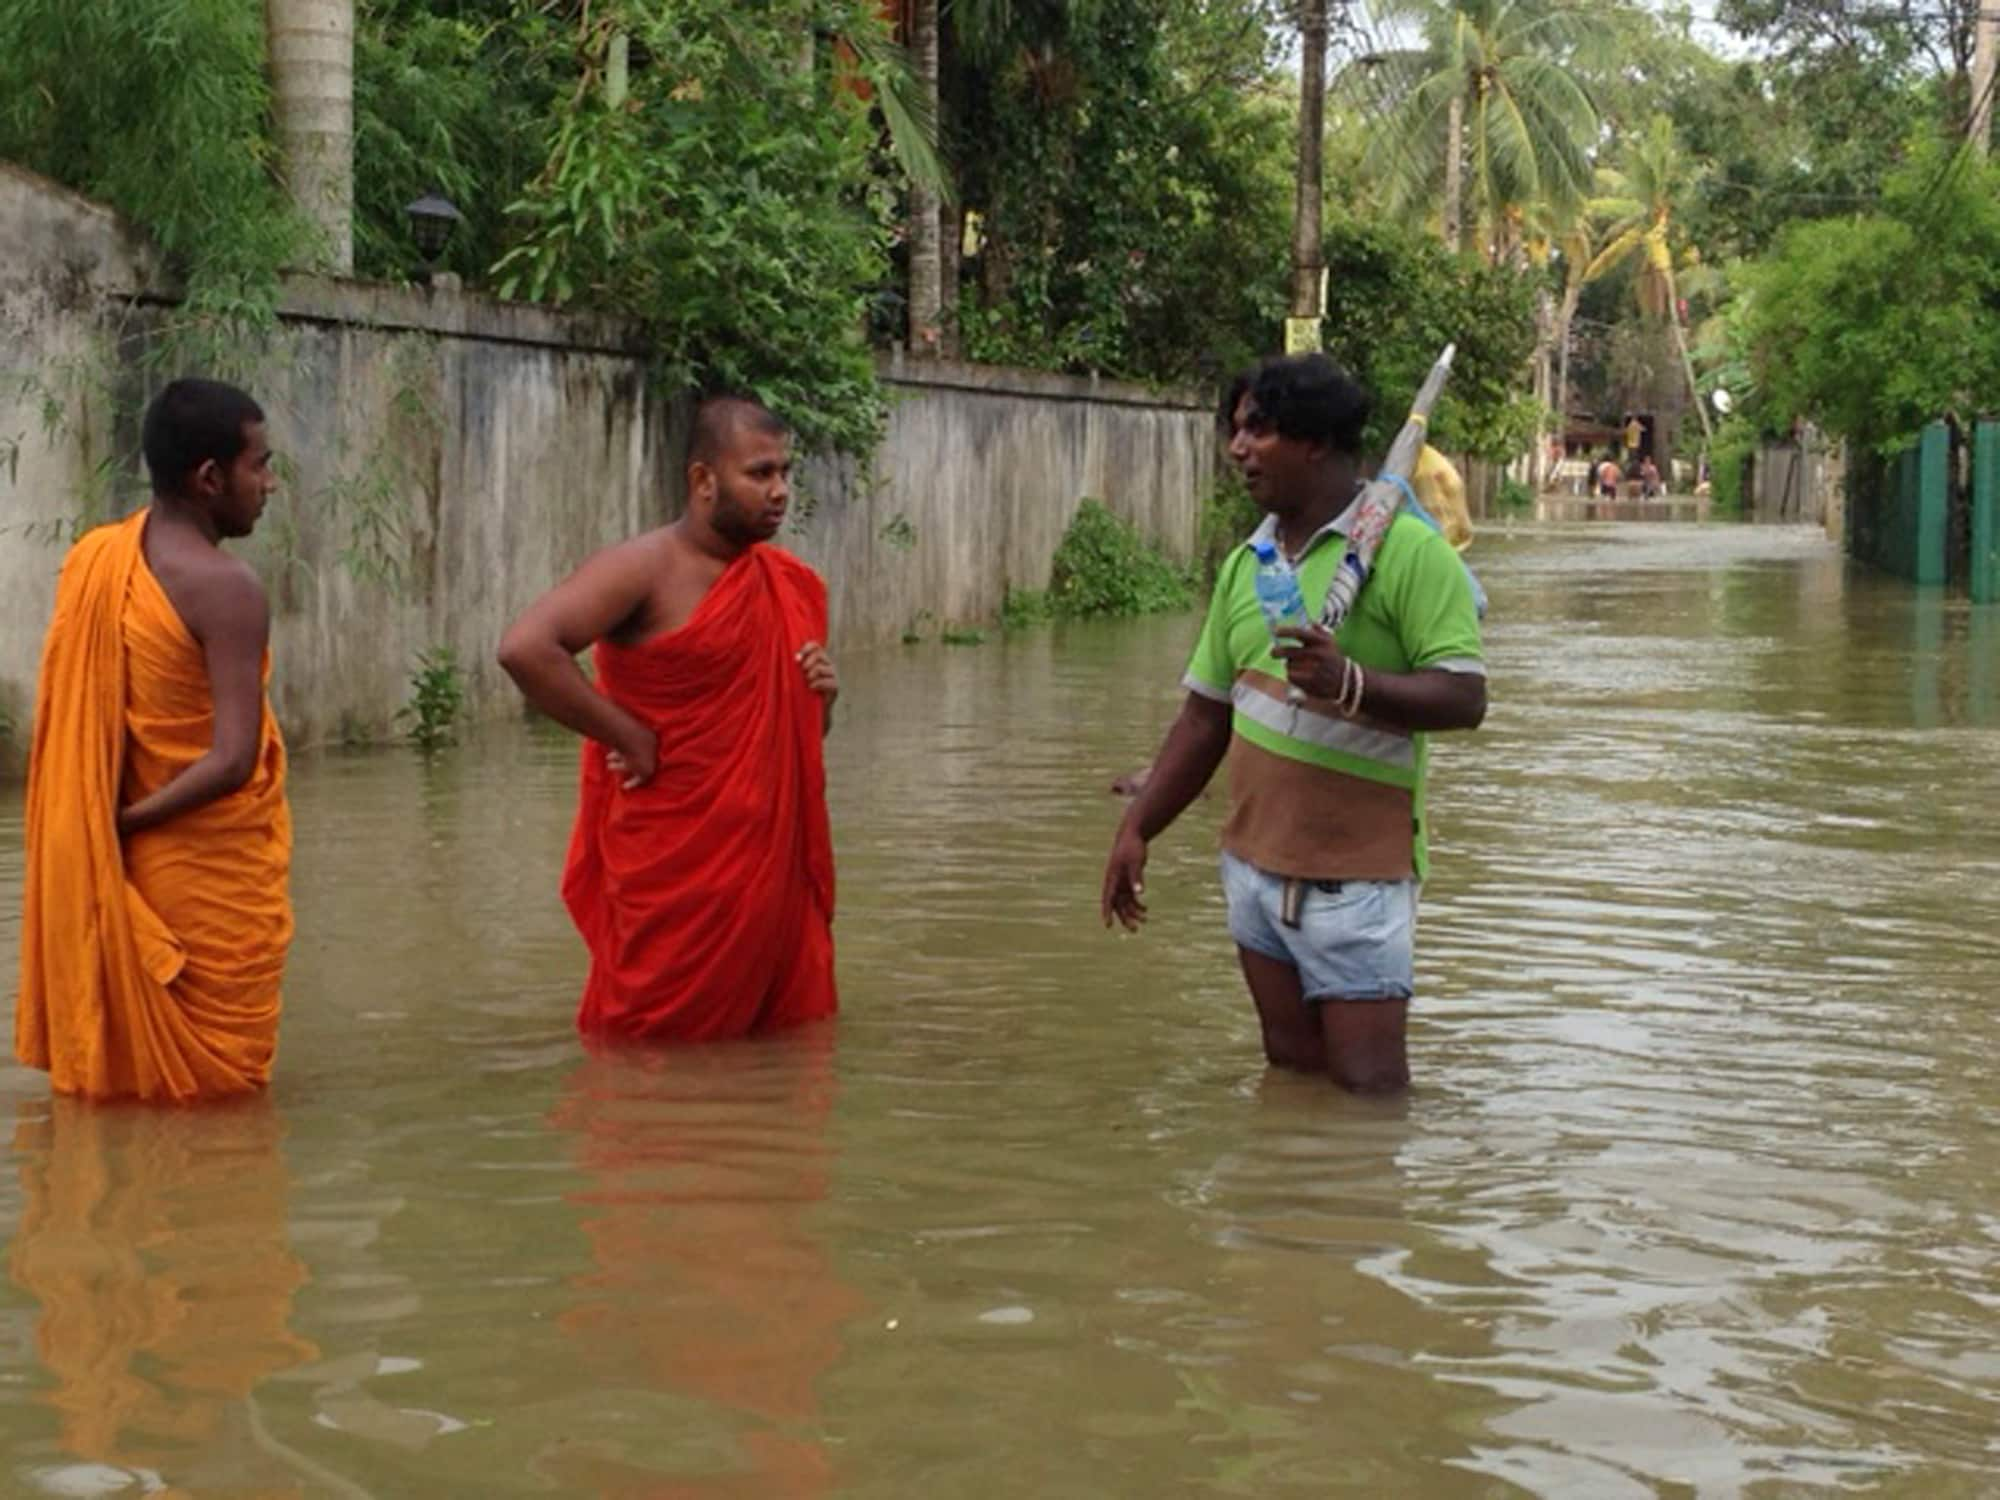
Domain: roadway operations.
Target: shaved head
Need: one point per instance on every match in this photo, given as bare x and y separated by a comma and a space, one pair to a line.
718, 419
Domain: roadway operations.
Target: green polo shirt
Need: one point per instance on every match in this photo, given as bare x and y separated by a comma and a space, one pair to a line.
1313, 794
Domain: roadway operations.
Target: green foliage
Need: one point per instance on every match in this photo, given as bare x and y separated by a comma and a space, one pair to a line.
962, 635
1228, 515
920, 622
899, 533
159, 110
1130, 170
1514, 497
1728, 461
1875, 325
437, 697
1022, 609
732, 203
448, 98
1104, 567
1395, 298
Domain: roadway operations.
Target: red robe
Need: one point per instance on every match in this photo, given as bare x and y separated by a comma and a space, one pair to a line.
706, 895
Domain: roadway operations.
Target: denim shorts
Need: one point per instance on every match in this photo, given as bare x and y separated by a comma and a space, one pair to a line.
1355, 940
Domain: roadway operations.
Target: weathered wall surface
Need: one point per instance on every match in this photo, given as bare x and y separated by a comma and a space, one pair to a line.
447, 457
979, 476
62, 261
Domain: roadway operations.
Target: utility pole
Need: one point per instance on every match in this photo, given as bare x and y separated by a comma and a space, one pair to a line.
1985, 57
1308, 307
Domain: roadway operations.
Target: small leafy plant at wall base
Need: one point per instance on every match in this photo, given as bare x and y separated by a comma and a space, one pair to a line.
437, 697
1023, 608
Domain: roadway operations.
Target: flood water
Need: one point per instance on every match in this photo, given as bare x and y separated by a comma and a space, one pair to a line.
1698, 1192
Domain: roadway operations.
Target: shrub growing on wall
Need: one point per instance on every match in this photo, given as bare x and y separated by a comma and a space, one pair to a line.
728, 198
1104, 567
161, 112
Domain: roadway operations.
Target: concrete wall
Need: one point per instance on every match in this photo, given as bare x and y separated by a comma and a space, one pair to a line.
62, 262
1793, 482
448, 457
979, 476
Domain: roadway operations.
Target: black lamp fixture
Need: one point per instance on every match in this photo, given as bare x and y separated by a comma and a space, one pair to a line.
432, 219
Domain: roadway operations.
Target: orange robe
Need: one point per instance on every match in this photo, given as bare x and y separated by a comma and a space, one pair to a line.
155, 1243
706, 896
149, 969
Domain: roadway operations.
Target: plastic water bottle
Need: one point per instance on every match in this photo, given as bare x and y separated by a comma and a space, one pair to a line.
1278, 589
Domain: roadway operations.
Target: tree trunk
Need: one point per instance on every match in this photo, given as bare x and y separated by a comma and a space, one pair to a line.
951, 261
1544, 378
1565, 321
1687, 362
1308, 240
311, 45
1452, 222
926, 211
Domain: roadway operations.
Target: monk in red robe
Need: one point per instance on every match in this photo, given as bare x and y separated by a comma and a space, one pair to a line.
155, 919
700, 872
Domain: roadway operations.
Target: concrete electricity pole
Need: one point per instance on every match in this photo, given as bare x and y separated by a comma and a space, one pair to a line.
1985, 57
1308, 306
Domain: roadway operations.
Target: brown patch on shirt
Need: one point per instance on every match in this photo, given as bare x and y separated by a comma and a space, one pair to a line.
1291, 818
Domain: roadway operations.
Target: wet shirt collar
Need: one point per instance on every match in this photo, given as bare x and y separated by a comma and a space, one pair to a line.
1340, 525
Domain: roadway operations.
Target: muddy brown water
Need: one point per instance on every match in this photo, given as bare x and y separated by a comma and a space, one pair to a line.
1698, 1192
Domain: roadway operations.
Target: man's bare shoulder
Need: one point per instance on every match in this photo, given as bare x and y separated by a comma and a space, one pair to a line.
641, 555
214, 590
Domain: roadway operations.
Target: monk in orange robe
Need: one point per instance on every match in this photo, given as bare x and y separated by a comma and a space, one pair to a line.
155, 917
700, 872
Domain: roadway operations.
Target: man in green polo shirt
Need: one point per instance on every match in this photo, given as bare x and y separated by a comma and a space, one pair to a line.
1324, 849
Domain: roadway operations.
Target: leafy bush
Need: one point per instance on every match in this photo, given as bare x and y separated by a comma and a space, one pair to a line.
1728, 461
160, 111
1104, 567
1228, 515
733, 203
1395, 299
1131, 174
1514, 496
1874, 325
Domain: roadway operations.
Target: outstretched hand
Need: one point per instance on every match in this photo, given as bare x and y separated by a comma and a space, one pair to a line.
1125, 881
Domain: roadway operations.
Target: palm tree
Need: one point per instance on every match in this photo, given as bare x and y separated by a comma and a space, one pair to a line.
1569, 235
311, 45
1488, 114
1637, 202
896, 67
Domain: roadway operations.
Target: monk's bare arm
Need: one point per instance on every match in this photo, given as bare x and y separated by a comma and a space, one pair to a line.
540, 648
231, 618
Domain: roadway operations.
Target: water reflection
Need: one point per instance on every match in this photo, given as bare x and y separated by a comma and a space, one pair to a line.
713, 1304
155, 1245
